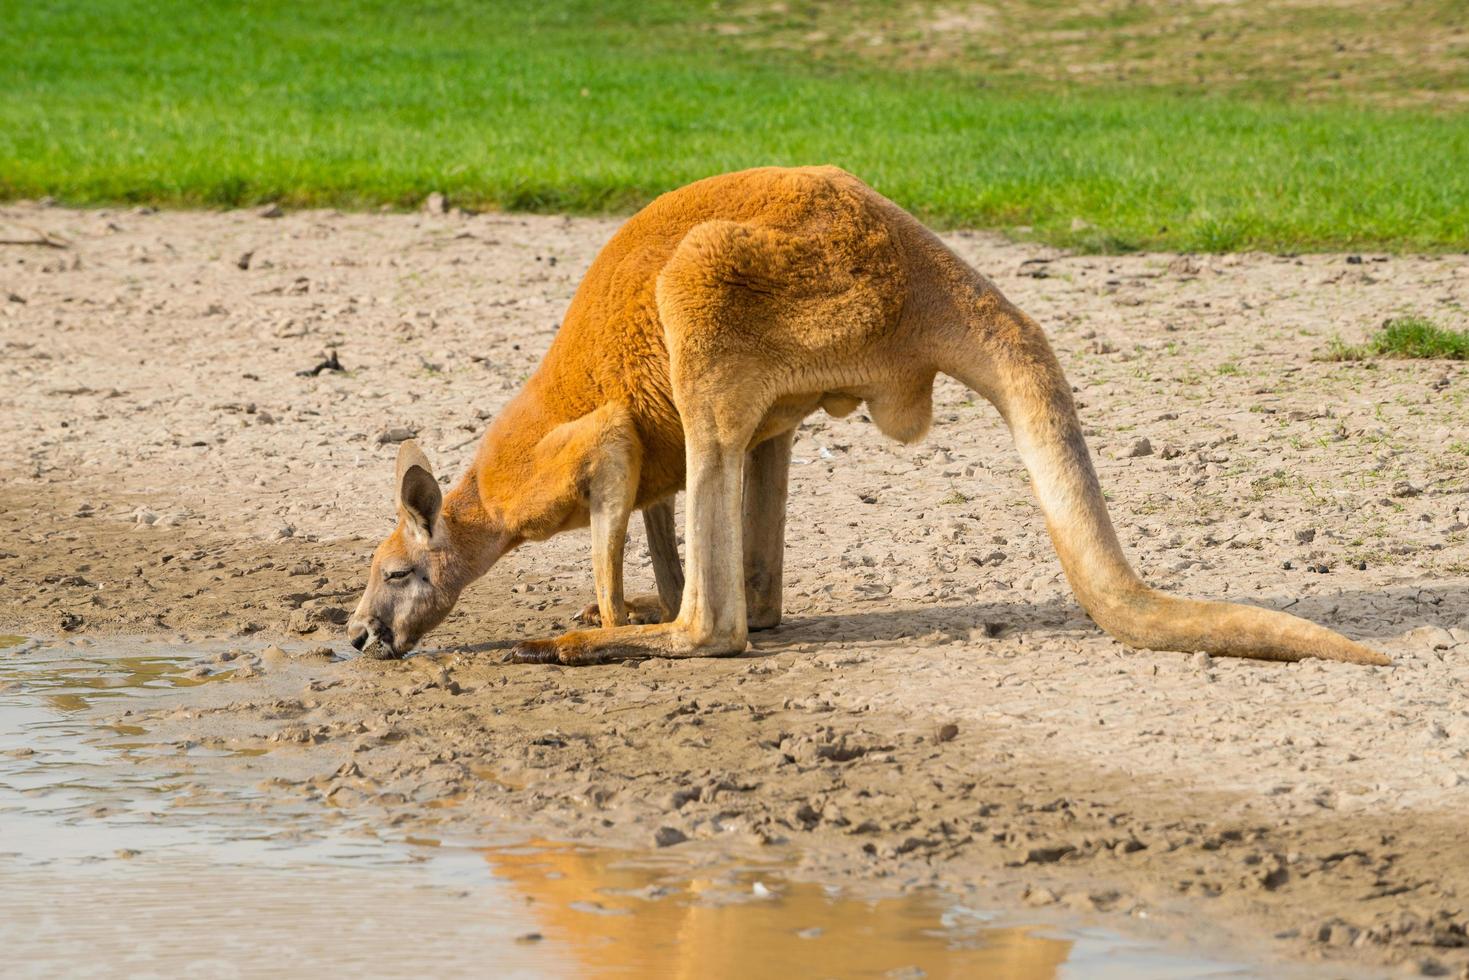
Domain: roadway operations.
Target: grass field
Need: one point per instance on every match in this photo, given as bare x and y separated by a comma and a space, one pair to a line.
1111, 127
1410, 337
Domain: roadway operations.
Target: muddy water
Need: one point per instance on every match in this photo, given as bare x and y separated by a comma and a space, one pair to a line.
116, 861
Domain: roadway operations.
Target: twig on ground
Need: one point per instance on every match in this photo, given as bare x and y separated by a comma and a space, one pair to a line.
329, 363
42, 239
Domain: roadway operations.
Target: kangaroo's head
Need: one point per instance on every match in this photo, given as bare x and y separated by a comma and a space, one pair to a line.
415, 577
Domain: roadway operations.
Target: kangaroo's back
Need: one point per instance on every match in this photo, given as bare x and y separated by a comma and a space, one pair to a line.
611, 347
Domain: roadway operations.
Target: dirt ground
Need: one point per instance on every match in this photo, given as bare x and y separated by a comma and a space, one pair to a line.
936, 708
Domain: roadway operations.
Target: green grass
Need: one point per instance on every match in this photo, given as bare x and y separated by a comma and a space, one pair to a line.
597, 107
1407, 337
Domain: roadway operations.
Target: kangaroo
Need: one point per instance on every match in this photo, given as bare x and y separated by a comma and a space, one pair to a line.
713, 322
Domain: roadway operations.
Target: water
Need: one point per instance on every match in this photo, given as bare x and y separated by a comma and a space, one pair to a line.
113, 864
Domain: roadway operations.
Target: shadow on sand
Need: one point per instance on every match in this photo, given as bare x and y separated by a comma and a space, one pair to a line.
1366, 615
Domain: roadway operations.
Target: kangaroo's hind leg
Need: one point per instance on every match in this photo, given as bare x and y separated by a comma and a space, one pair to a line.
663, 547
767, 471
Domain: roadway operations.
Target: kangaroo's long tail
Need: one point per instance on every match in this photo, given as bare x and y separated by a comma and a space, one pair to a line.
1003, 354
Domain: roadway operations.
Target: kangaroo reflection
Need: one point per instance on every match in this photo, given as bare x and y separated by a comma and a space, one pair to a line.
615, 916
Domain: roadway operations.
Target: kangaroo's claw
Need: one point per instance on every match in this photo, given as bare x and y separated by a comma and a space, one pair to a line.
641, 611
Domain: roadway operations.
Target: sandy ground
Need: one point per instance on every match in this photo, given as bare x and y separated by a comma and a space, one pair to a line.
936, 707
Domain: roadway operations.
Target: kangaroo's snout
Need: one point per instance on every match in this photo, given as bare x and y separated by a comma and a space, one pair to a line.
373, 638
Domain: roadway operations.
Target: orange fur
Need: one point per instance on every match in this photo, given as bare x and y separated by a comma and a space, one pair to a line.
710, 325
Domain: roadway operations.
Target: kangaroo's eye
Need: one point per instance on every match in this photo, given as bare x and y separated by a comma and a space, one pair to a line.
394, 576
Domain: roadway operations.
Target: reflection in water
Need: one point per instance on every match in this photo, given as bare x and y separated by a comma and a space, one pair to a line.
122, 854
114, 677
617, 916
70, 784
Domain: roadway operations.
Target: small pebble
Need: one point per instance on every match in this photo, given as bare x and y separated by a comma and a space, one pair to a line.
1141, 447
668, 836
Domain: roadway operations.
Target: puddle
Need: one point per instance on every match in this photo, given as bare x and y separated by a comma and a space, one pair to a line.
115, 863
616, 914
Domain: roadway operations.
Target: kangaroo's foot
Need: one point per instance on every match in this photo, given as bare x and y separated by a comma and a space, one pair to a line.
600, 646
642, 610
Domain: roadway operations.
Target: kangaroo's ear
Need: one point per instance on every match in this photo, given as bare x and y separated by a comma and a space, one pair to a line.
419, 497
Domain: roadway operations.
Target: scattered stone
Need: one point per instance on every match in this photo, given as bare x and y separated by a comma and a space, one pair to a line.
271, 210
1170, 451
245, 259
1038, 897
668, 837
1047, 855
396, 434
1305, 535
679, 797
946, 732
529, 937
1141, 447
1335, 932
804, 816
436, 203
1405, 489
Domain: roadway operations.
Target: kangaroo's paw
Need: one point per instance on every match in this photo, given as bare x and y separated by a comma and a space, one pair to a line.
569, 650
642, 610
533, 652
601, 646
